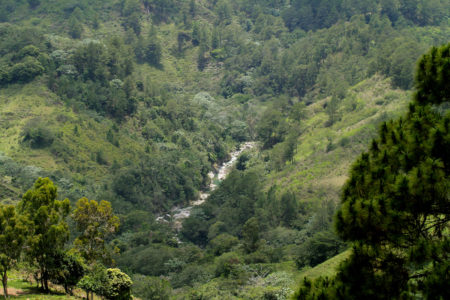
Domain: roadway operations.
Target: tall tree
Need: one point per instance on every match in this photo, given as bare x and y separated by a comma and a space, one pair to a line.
96, 222
13, 233
395, 205
49, 229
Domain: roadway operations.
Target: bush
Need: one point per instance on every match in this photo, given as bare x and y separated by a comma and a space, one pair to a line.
26, 70
223, 243
118, 285
151, 287
37, 135
228, 264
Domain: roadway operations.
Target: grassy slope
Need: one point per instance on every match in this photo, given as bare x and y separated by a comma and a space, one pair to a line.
318, 173
19, 288
20, 104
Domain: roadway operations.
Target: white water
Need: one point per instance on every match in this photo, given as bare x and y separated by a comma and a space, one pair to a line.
180, 213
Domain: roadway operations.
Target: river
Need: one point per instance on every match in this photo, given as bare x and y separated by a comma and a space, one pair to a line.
177, 214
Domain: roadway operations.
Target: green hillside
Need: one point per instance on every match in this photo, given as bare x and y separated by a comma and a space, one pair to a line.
136, 102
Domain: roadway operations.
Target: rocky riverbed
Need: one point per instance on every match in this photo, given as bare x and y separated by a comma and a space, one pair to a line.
177, 214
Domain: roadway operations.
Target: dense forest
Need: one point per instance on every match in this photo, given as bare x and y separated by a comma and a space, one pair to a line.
141, 104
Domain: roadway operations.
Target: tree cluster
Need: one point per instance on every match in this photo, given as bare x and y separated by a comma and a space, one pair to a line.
36, 232
395, 208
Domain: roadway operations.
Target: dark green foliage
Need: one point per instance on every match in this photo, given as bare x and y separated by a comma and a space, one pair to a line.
69, 269
288, 208
250, 234
92, 79
75, 27
222, 243
272, 128
26, 70
395, 204
241, 163
320, 247
310, 15
151, 287
149, 50
433, 75
37, 135
195, 229
262, 63
94, 281
34, 3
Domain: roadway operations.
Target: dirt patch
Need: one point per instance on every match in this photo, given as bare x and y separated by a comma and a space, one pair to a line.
13, 292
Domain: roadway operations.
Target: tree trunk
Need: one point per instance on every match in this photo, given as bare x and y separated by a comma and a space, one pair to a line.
45, 281
5, 284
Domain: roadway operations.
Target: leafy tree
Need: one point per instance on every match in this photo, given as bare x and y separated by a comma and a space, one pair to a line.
96, 222
320, 247
75, 27
250, 234
49, 229
95, 281
13, 234
37, 135
91, 61
223, 243
118, 285
192, 8
69, 269
332, 111
151, 287
26, 70
288, 208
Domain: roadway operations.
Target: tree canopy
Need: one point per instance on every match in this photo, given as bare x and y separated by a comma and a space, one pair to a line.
395, 205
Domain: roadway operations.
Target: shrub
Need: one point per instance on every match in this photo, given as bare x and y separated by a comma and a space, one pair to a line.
26, 70
37, 135
151, 287
118, 285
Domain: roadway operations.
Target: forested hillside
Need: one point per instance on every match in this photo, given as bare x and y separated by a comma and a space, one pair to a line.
138, 102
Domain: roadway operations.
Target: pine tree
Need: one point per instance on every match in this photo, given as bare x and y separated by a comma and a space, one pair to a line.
395, 206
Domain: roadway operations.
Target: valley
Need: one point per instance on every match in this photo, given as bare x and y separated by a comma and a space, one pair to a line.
224, 149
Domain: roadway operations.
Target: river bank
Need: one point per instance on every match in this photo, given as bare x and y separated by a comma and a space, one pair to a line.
177, 214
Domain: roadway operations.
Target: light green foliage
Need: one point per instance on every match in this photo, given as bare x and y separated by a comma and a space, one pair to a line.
96, 222
95, 281
13, 234
151, 288
48, 226
118, 285
222, 243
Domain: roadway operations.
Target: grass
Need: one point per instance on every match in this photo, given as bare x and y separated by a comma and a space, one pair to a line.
23, 289
325, 154
327, 268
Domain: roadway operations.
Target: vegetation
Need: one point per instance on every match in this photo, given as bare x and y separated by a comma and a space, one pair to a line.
136, 102
394, 206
